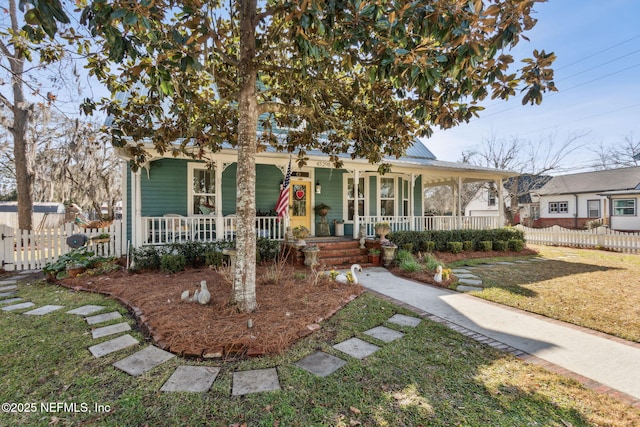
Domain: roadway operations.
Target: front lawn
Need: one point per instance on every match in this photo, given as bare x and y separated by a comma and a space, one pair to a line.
599, 290
431, 376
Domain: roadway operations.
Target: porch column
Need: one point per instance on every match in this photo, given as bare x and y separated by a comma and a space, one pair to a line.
356, 217
500, 202
412, 225
459, 203
219, 221
125, 206
136, 223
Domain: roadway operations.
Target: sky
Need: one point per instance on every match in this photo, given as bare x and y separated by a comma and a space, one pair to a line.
597, 70
597, 44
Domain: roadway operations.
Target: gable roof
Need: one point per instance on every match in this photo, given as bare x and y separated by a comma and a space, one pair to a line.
593, 182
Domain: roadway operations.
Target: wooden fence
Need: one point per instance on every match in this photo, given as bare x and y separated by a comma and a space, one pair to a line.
600, 238
28, 250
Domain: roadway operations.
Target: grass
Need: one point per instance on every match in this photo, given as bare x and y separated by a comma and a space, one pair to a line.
431, 376
598, 290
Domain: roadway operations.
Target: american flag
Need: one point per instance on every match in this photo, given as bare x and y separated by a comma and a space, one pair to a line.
282, 206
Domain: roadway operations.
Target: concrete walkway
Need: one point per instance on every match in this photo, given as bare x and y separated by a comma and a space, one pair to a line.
607, 361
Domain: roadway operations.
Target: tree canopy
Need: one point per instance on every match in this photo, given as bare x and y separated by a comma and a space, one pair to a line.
360, 76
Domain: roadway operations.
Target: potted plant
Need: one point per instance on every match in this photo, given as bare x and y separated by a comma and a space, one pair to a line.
382, 229
374, 256
101, 238
322, 209
300, 232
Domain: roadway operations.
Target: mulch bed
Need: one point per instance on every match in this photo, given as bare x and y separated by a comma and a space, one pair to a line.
286, 311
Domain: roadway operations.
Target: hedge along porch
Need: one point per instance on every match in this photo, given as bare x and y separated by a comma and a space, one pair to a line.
179, 199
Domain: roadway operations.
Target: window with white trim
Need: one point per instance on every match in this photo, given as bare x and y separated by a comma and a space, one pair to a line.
387, 196
559, 207
203, 190
624, 207
593, 208
353, 200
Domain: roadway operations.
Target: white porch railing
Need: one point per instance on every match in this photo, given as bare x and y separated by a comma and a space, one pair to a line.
601, 237
33, 249
422, 223
177, 229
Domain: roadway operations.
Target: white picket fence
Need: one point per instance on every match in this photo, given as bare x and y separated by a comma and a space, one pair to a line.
28, 250
601, 238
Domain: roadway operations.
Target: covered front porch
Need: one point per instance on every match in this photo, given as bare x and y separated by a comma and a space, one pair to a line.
159, 230
179, 199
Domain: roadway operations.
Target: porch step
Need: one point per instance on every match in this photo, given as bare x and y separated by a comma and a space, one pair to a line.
341, 253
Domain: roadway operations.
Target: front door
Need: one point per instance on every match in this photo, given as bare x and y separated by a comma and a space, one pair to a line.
300, 212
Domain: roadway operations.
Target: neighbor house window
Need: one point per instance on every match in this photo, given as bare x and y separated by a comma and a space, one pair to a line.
387, 196
558, 207
624, 207
593, 208
353, 199
492, 198
203, 190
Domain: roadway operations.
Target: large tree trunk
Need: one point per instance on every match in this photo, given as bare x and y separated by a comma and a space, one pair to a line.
245, 274
24, 172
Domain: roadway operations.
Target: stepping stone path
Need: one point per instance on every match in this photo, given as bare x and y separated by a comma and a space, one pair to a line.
199, 379
100, 318
45, 309
110, 330
468, 281
321, 364
113, 345
86, 310
255, 381
143, 361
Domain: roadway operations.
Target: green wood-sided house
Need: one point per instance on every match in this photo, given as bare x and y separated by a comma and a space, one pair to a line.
178, 199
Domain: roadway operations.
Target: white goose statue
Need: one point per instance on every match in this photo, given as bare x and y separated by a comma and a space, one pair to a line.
342, 277
438, 276
203, 296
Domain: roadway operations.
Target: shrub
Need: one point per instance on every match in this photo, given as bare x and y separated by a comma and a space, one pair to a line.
431, 262
404, 255
408, 247
429, 246
146, 258
192, 251
454, 247
468, 245
214, 258
515, 245
432, 240
80, 256
411, 265
172, 263
500, 245
485, 245
267, 249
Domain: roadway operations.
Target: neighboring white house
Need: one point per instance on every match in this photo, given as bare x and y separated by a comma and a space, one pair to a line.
484, 203
609, 195
45, 214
